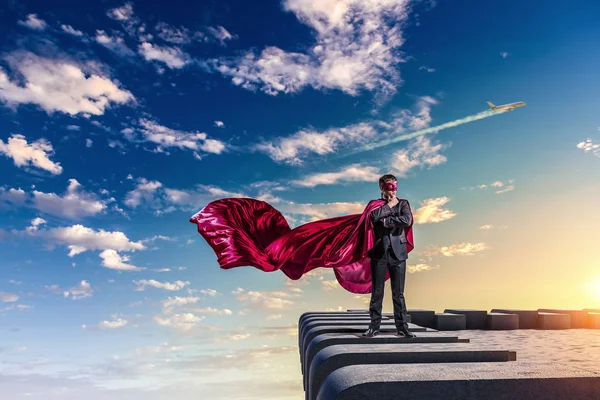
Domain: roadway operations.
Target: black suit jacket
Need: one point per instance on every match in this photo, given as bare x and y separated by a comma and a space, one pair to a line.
389, 224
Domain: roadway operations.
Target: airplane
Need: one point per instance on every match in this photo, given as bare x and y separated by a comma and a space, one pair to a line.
506, 107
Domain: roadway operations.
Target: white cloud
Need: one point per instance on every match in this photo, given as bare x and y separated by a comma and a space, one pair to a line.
506, 189
590, 146
422, 116
501, 186
60, 85
463, 249
54, 289
173, 57
294, 148
206, 292
330, 285
177, 285
504, 54
70, 30
184, 322
119, 323
186, 197
113, 260
144, 192
356, 48
211, 310
221, 34
160, 349
113, 43
19, 307
155, 196
166, 138
321, 210
33, 22
37, 222
177, 301
233, 337
81, 291
75, 203
420, 153
431, 211
351, 173
123, 13
159, 237
171, 34
165, 200
8, 297
488, 227
104, 325
88, 143
79, 239
415, 268
183, 36
272, 300
362, 298
24, 154
427, 69
15, 196
219, 124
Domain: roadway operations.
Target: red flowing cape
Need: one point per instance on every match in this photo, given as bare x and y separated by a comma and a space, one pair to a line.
250, 232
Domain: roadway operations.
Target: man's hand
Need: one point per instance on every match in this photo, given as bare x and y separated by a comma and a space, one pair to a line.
393, 201
387, 223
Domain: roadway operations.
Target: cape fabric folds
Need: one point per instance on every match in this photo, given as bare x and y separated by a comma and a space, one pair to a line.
250, 232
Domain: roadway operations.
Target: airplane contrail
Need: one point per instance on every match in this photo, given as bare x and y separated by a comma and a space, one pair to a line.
407, 136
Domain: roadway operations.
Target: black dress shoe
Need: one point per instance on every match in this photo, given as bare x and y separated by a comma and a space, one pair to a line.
406, 333
371, 332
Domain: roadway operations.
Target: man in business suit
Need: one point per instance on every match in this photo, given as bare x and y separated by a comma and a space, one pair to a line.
389, 252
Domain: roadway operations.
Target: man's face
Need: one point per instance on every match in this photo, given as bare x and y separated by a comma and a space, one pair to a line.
388, 193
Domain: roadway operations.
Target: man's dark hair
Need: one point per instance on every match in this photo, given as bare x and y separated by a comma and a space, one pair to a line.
387, 178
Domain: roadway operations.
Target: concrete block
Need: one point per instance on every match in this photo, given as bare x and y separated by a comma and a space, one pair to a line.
501, 321
422, 317
450, 322
553, 321
327, 314
476, 319
338, 356
352, 329
578, 317
320, 342
356, 326
337, 318
528, 319
340, 314
594, 320
521, 380
360, 321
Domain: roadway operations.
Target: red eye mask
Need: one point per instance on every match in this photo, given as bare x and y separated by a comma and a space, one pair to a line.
390, 186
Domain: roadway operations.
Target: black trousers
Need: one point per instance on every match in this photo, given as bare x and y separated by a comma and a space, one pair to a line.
397, 268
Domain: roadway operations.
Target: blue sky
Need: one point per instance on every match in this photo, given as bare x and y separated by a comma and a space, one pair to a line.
120, 120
